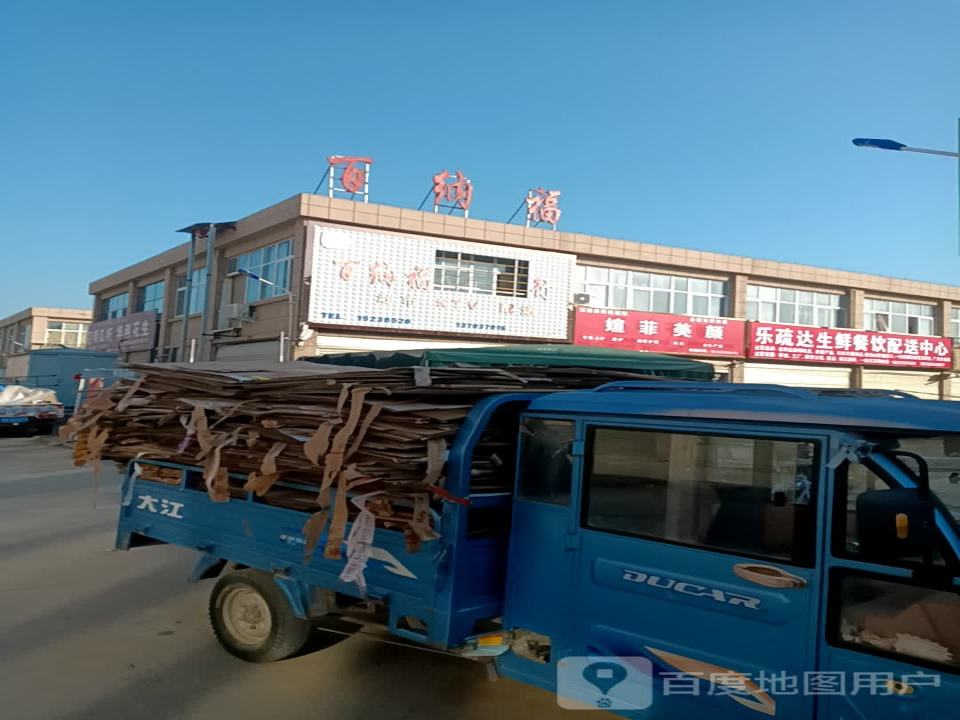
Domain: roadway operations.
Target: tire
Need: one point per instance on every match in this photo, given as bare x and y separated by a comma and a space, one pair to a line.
253, 620
45, 429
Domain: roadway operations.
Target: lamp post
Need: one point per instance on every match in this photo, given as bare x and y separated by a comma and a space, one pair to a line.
286, 338
885, 144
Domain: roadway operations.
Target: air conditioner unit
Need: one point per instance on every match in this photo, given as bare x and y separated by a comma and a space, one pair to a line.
240, 312
581, 299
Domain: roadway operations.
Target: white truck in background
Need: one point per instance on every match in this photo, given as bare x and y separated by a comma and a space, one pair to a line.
29, 409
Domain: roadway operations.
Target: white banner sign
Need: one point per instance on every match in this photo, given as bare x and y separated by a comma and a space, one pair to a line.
368, 279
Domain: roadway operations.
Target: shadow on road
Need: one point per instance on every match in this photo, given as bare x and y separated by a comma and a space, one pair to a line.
368, 680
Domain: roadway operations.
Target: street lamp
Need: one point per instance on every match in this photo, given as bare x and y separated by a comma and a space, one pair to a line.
286, 338
885, 144
882, 144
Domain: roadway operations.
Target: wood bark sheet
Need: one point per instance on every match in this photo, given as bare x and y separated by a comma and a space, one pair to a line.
306, 436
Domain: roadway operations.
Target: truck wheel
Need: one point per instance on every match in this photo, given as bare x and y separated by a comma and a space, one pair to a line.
253, 620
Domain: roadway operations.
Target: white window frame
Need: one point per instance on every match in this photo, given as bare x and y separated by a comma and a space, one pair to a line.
768, 303
273, 263
899, 316
198, 293
59, 332
455, 271
621, 289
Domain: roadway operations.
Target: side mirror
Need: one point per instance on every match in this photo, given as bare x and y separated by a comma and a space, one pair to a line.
895, 524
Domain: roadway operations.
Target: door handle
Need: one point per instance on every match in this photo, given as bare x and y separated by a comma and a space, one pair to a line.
768, 576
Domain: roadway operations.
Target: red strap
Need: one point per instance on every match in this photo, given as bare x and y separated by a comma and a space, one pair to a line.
440, 492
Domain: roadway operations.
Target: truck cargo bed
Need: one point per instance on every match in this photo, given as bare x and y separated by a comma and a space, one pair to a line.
439, 595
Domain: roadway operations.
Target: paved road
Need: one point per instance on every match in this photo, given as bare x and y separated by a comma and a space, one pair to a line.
88, 632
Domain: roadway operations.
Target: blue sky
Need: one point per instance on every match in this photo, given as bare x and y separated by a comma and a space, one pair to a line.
714, 125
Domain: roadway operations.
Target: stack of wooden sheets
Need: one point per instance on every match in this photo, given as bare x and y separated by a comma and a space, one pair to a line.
307, 436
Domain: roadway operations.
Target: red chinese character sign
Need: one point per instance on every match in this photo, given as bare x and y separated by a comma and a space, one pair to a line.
452, 191
659, 332
348, 175
847, 347
542, 207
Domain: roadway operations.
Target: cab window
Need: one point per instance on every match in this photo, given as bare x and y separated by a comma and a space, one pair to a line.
854, 480
545, 460
942, 453
890, 617
744, 495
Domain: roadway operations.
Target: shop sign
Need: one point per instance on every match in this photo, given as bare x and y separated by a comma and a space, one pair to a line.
374, 280
137, 331
659, 332
847, 347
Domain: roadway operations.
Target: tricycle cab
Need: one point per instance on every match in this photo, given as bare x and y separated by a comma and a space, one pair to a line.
705, 539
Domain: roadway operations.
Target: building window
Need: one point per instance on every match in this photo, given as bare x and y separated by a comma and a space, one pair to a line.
115, 306
9, 336
801, 307
272, 263
151, 297
745, 495
480, 274
17, 338
66, 334
955, 323
198, 292
632, 290
898, 317
22, 341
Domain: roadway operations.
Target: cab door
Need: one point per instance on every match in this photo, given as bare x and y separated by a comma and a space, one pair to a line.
540, 599
697, 551
891, 632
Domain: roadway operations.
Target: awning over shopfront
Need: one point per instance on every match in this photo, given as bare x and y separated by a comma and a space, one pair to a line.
546, 354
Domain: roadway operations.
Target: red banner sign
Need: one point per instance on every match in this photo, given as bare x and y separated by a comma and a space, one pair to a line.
659, 332
847, 347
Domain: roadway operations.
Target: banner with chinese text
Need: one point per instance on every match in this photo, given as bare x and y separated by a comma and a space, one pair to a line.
847, 346
659, 332
370, 279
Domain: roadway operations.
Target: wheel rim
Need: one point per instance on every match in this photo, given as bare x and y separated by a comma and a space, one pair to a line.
246, 615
